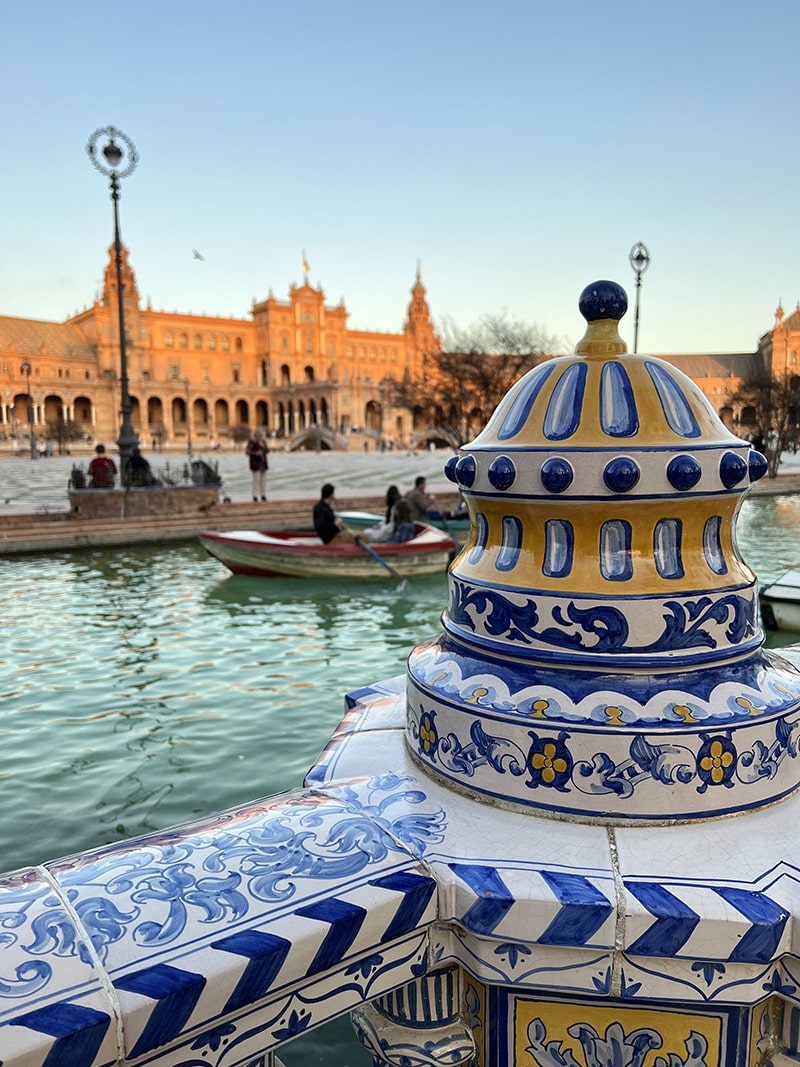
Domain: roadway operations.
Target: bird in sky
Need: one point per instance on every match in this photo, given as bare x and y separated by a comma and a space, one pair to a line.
197, 255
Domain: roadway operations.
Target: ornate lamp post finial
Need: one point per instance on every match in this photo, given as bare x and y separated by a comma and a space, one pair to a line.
639, 259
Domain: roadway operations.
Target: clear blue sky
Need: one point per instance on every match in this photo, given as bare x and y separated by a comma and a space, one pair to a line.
516, 149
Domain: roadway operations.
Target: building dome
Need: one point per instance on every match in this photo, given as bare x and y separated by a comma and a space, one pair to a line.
600, 617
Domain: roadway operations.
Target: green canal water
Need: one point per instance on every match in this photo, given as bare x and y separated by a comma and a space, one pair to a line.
146, 687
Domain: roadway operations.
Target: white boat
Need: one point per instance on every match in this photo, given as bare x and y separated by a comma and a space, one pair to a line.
303, 555
780, 602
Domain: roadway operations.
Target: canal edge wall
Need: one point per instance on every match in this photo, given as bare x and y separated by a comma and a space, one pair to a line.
47, 531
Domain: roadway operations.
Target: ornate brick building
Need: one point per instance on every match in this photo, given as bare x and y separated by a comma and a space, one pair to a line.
292, 365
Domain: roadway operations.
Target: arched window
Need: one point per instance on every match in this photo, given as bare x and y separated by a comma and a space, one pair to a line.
212, 343
226, 344
747, 416
309, 373
238, 344
183, 340
169, 339
198, 341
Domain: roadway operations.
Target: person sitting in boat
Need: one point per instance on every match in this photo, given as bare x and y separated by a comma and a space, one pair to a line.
138, 470
384, 530
330, 529
404, 528
102, 470
422, 505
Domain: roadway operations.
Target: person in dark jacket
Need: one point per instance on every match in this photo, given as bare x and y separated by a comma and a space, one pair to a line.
329, 527
137, 469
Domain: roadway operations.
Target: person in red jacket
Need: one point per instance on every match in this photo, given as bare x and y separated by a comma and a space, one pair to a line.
102, 470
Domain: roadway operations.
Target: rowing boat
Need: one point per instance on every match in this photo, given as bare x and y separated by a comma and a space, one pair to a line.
303, 555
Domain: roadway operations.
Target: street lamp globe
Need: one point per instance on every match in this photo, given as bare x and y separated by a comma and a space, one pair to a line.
112, 154
639, 258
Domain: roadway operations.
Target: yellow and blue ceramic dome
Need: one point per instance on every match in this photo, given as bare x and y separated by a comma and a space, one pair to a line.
601, 626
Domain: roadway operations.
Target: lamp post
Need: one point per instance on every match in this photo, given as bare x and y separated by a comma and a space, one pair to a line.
188, 420
25, 368
116, 159
639, 259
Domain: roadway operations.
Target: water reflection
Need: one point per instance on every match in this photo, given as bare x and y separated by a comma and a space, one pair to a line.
768, 532
145, 688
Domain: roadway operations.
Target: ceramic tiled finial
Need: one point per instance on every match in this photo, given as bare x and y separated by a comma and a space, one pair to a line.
601, 655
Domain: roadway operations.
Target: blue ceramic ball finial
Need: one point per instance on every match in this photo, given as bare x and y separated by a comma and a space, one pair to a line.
602, 304
603, 300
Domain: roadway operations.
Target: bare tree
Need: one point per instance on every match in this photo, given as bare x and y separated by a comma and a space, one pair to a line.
462, 384
240, 432
63, 431
776, 402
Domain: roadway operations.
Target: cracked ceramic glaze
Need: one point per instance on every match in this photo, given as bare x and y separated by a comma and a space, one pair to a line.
602, 655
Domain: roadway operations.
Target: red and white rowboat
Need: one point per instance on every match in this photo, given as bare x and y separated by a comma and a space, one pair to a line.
303, 555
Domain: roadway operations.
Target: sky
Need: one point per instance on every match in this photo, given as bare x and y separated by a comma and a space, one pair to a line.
515, 150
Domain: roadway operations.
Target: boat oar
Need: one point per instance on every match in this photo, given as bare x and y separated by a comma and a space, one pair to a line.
401, 582
452, 533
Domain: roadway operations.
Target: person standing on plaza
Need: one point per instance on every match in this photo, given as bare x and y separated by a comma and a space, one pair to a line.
256, 452
102, 470
419, 501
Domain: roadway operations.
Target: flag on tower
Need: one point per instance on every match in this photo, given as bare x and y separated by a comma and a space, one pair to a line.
306, 267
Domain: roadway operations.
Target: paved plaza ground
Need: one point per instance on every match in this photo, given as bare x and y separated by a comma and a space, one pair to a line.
27, 485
